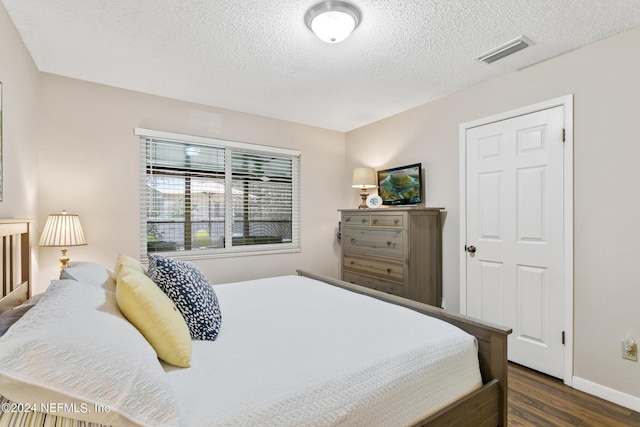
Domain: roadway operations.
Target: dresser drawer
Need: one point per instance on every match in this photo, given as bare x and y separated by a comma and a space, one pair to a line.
384, 269
381, 242
373, 283
356, 219
379, 220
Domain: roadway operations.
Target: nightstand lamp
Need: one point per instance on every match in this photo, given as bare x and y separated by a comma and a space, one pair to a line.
364, 178
62, 230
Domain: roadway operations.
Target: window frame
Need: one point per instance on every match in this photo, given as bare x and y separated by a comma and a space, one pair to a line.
229, 146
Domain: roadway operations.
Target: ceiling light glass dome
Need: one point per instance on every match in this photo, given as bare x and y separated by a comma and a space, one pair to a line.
333, 21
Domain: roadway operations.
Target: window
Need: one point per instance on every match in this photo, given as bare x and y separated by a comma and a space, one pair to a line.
203, 196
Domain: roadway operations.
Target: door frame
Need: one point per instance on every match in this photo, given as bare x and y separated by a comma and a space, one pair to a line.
567, 103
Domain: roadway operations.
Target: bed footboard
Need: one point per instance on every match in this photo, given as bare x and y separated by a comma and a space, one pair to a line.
492, 354
478, 408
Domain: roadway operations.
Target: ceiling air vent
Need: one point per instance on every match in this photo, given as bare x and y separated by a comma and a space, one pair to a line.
505, 50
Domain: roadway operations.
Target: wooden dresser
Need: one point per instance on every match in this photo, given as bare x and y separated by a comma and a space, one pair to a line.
395, 250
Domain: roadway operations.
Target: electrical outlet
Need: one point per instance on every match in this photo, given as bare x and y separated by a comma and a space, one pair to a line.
629, 351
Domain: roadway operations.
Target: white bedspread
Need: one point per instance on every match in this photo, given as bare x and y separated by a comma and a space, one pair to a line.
295, 352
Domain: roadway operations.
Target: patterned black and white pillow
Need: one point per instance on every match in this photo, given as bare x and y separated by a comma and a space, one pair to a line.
191, 292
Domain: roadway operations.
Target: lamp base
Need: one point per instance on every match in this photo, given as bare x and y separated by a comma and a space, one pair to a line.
64, 259
364, 194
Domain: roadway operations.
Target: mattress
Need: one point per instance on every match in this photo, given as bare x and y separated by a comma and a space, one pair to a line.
296, 352
291, 352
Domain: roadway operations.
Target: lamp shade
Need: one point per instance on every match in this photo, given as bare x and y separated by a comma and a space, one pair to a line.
62, 230
364, 178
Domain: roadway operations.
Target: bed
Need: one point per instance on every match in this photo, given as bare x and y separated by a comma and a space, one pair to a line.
324, 352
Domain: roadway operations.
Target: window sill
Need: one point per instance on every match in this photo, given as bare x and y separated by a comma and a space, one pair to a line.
225, 253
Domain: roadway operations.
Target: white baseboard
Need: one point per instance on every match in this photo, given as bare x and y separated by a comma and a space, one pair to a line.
606, 393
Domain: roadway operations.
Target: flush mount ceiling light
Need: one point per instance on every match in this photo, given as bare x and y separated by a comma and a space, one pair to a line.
333, 21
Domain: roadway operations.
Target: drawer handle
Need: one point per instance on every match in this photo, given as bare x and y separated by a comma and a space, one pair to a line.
364, 220
347, 219
375, 221
388, 271
353, 262
353, 240
388, 243
395, 221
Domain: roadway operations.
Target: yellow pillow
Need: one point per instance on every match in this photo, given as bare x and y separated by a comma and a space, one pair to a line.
150, 310
125, 262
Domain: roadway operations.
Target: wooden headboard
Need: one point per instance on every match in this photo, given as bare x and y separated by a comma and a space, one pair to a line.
15, 267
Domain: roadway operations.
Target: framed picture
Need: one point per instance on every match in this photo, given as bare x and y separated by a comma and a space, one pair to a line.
0, 141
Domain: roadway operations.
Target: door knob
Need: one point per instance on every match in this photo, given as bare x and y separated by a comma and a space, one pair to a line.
470, 249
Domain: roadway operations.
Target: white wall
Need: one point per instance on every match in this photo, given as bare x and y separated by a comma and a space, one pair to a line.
604, 79
89, 165
20, 83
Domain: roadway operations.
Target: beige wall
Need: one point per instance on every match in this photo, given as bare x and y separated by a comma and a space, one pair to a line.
89, 165
20, 82
604, 79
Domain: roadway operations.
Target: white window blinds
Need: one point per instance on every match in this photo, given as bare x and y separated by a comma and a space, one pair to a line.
203, 196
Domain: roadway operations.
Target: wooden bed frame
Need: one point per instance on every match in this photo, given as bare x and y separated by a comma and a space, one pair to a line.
484, 407
16, 258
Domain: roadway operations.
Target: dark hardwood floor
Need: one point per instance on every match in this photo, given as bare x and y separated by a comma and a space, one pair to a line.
536, 399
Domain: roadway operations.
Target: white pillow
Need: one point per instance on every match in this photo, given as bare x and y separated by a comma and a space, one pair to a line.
90, 273
75, 347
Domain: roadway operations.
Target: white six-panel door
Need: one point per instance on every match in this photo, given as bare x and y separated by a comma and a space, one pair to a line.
514, 234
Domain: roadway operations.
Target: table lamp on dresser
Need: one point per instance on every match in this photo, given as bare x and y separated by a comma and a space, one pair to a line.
364, 178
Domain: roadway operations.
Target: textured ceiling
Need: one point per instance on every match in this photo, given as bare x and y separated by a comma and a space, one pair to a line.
257, 56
